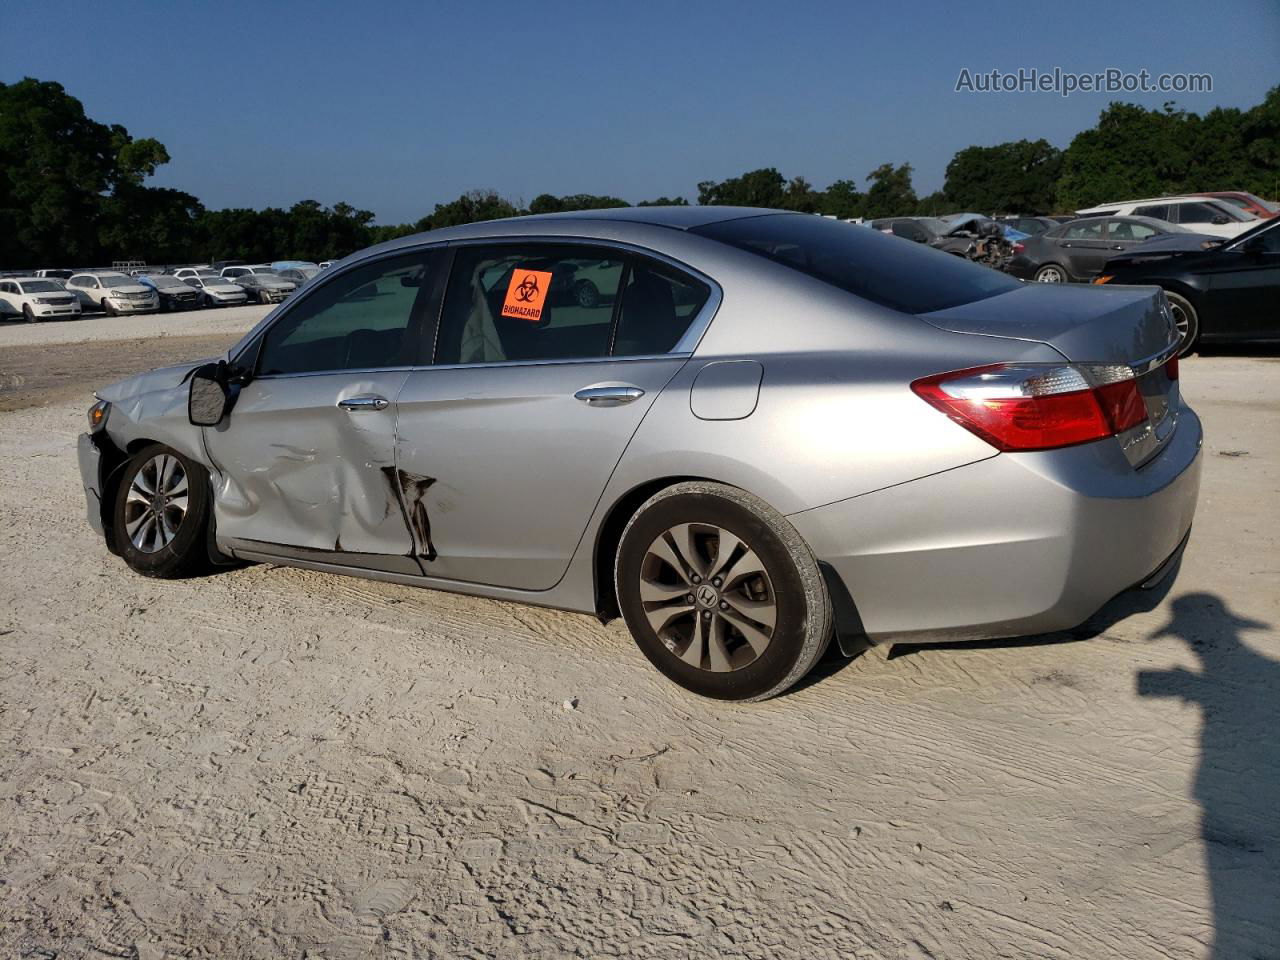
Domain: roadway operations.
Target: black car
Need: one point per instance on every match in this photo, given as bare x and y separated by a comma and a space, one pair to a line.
1077, 250
173, 293
1032, 226
1220, 292
919, 229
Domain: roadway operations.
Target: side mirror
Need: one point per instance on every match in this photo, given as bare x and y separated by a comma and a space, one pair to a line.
209, 399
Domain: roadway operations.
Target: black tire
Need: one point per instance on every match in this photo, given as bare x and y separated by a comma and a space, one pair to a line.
263, 298
27, 315
187, 554
107, 308
792, 584
1188, 321
1057, 272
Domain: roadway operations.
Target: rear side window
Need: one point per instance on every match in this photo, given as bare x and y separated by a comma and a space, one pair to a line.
358, 320
912, 278
1088, 230
516, 302
1159, 211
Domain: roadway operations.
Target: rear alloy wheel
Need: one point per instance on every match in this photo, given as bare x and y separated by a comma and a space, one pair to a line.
161, 514
1051, 273
1186, 320
720, 592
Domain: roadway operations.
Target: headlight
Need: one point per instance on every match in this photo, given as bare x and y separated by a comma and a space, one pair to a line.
98, 415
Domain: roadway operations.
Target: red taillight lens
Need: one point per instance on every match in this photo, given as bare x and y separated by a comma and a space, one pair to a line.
1019, 248
1171, 368
1038, 406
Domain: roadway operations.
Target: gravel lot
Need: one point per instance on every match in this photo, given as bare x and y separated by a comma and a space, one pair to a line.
277, 763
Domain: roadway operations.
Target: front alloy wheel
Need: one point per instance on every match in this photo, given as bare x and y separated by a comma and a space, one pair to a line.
161, 511
156, 503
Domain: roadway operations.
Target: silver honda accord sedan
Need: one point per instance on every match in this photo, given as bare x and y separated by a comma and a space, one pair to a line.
744, 431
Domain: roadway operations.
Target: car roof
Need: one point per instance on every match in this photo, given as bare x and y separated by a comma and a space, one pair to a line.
679, 218
604, 223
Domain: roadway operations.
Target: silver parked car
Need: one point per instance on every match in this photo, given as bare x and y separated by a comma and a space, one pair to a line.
765, 430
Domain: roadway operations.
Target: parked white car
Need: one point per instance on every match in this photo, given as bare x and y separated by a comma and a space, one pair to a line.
35, 298
261, 269
1197, 214
217, 292
114, 293
186, 272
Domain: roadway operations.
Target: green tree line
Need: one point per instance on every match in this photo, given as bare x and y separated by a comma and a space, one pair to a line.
73, 191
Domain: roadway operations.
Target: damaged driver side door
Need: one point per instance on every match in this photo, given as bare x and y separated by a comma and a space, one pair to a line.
304, 465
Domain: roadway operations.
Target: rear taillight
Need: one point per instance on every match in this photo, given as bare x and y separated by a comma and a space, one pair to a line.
1034, 406
1171, 368
1019, 248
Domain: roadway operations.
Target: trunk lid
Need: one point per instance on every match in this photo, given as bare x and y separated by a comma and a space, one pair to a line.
1132, 326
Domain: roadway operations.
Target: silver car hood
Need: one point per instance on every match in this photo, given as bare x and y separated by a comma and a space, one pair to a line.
1083, 323
162, 378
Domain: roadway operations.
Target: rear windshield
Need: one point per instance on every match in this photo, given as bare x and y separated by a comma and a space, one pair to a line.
890, 271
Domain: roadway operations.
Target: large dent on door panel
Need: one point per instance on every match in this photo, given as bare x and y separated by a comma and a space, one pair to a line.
308, 489
409, 491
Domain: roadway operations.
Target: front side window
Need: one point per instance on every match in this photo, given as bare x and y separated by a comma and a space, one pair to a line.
359, 320
1199, 213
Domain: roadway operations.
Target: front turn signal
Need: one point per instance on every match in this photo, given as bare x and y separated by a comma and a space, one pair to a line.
1105, 278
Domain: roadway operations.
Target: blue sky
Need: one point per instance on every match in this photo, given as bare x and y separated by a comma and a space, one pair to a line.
395, 107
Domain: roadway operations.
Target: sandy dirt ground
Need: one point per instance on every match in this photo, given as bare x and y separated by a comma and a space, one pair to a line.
276, 763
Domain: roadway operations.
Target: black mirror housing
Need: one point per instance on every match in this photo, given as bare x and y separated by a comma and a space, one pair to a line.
209, 394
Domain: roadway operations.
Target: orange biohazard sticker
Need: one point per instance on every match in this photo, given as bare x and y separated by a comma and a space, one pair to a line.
526, 294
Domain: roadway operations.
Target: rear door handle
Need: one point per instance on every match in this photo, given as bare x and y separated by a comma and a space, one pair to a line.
608, 396
364, 403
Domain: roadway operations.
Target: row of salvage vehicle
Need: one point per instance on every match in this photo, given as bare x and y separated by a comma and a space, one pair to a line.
56, 294
1217, 257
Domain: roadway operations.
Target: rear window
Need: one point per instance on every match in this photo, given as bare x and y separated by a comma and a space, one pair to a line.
909, 277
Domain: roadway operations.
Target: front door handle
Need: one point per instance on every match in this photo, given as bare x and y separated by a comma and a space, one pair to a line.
608, 396
364, 403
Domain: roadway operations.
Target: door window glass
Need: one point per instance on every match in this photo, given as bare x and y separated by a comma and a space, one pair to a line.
1087, 230
1199, 213
658, 305
1159, 211
1130, 231
357, 320
529, 302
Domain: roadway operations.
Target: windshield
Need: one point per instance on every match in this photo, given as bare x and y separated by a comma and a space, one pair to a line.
118, 281
168, 283
40, 286
910, 277
263, 270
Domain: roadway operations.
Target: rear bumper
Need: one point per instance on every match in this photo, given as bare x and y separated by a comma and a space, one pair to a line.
1013, 545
